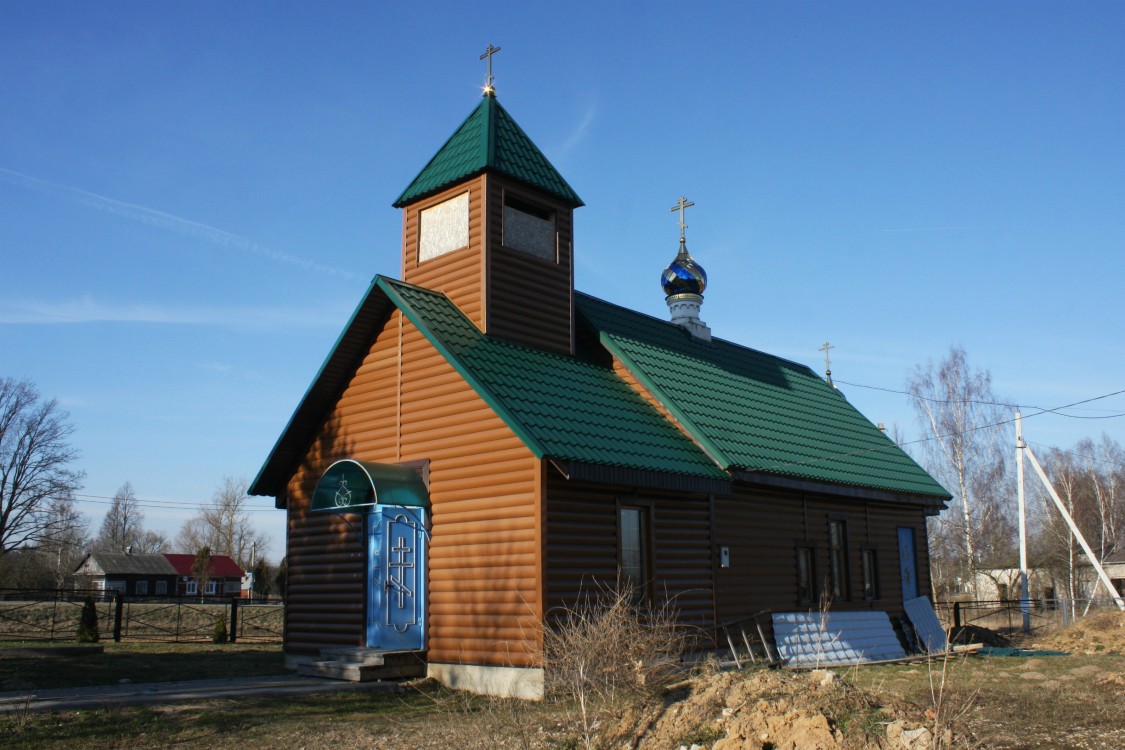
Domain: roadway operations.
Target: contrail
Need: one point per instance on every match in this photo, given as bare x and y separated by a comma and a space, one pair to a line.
167, 221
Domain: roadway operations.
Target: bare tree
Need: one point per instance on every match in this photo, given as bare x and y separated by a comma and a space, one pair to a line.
123, 522
1089, 481
34, 455
225, 525
62, 552
966, 453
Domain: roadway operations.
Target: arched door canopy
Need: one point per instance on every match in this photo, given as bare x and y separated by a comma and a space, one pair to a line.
357, 486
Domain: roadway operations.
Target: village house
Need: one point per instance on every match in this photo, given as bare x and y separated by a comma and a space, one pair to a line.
483, 443
156, 575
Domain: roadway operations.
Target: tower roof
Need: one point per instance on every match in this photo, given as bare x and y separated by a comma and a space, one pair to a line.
489, 140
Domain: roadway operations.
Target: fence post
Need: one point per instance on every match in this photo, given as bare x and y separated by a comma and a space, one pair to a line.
119, 605
956, 614
233, 636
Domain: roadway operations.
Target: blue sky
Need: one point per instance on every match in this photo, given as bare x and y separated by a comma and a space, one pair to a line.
194, 196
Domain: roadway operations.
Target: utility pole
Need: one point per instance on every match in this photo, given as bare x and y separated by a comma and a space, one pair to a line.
1025, 594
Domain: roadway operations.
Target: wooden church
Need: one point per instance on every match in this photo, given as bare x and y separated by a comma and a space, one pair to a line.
483, 443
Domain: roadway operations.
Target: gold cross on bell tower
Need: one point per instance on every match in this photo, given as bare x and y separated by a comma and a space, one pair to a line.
682, 206
488, 53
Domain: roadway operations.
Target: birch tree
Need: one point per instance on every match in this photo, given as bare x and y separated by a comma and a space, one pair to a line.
966, 451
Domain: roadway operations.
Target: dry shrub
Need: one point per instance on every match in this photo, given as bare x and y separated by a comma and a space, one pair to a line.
606, 650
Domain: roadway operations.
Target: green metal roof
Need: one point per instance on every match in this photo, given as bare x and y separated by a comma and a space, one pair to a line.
755, 412
562, 407
489, 139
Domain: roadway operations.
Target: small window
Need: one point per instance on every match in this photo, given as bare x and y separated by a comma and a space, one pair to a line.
141, 588
210, 588
161, 588
806, 575
232, 587
838, 558
443, 228
192, 587
530, 228
870, 575
632, 552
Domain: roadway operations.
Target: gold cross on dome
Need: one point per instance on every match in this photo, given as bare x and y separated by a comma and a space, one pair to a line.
681, 206
488, 53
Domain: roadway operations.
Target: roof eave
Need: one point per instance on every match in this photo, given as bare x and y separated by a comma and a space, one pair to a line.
761, 479
307, 417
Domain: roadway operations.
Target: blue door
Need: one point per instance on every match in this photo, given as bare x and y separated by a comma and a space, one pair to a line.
396, 593
907, 563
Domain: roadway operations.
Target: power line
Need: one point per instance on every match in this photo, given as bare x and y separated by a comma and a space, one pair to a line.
161, 504
992, 403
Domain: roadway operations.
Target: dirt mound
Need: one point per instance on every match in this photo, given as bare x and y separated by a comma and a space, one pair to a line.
782, 710
1103, 633
975, 634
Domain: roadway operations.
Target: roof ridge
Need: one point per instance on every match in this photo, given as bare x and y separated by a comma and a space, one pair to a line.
714, 339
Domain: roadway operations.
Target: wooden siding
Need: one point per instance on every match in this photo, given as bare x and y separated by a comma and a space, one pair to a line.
460, 274
763, 530
530, 300
506, 293
485, 570
582, 553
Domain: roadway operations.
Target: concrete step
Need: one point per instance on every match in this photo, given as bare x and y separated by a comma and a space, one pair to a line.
364, 665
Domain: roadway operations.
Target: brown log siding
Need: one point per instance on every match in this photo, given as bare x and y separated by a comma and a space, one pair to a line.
530, 300
582, 547
763, 530
484, 569
460, 274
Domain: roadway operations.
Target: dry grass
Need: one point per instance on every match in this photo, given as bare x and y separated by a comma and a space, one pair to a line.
1061, 702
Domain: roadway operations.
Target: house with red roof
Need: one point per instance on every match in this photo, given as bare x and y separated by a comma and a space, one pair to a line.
157, 575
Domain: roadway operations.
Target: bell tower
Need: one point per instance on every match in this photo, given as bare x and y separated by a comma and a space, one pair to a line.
489, 222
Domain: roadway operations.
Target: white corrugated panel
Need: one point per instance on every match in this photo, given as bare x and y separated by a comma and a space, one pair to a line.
810, 639
926, 624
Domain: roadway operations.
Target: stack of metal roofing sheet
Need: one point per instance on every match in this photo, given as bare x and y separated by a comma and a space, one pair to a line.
819, 639
926, 624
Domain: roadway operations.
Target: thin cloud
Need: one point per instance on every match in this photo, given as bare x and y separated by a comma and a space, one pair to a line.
579, 133
166, 221
930, 229
86, 309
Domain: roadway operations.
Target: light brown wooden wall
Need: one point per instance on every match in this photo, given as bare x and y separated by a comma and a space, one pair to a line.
506, 293
460, 275
485, 570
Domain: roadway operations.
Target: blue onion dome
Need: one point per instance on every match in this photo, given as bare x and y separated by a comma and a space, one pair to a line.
683, 275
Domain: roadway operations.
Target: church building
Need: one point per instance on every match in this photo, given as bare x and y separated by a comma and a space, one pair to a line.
484, 443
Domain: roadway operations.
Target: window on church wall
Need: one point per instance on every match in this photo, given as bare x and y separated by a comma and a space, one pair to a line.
633, 562
806, 575
870, 574
838, 558
530, 228
443, 228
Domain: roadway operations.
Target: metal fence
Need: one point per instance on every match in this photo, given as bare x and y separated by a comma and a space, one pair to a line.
1006, 616
53, 615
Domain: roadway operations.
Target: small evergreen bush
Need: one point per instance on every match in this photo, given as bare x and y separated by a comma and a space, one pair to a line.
219, 634
88, 622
